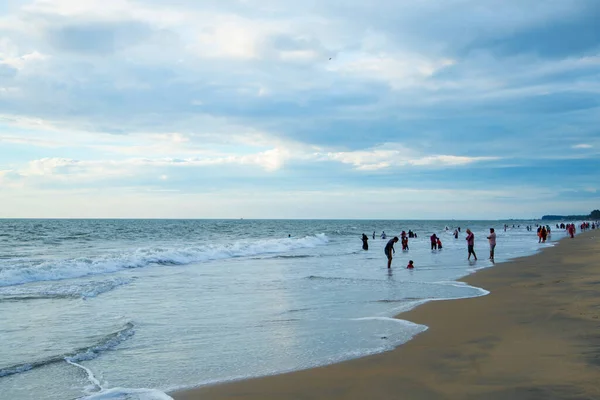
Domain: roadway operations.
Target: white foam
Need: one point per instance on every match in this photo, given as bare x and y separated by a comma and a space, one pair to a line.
25, 272
117, 393
403, 322
90, 374
128, 394
482, 292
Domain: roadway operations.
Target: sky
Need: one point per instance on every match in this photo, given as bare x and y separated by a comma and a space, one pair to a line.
405, 109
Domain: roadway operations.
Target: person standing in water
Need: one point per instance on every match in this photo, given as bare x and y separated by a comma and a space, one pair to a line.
433, 239
543, 234
383, 235
471, 244
365, 241
492, 240
389, 250
373, 234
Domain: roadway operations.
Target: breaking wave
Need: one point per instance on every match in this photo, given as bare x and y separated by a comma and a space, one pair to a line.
83, 290
22, 271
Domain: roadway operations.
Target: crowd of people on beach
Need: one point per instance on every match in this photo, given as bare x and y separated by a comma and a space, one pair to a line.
543, 233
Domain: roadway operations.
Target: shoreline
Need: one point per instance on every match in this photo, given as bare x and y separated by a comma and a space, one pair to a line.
446, 360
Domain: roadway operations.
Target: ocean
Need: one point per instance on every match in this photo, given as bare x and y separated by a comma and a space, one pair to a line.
134, 309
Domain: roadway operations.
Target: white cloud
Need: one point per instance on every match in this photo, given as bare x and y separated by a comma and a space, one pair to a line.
66, 169
299, 55
395, 155
29, 122
108, 10
582, 146
399, 70
37, 142
229, 37
20, 62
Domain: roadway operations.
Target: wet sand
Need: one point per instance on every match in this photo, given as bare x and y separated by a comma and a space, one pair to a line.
536, 336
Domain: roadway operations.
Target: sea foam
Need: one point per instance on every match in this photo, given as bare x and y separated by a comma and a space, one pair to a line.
128, 394
24, 271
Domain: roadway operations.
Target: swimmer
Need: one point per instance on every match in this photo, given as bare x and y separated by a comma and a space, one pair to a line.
410, 265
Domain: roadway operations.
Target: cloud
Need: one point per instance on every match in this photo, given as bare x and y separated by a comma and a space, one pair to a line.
71, 169
103, 38
278, 95
394, 155
400, 71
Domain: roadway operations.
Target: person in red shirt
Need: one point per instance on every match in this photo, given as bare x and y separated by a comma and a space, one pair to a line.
439, 243
433, 238
410, 265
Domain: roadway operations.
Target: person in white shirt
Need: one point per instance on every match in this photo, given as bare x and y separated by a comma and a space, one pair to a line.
492, 240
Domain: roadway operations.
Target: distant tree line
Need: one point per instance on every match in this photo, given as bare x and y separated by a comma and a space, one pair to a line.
593, 215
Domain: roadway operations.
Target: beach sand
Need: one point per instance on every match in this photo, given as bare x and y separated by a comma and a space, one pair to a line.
536, 336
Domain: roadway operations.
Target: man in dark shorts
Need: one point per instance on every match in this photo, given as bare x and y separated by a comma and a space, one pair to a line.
389, 250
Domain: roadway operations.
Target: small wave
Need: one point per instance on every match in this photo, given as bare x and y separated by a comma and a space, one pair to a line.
86, 353
276, 322
293, 310
21, 272
339, 278
291, 256
58, 291
24, 297
295, 256
397, 300
414, 328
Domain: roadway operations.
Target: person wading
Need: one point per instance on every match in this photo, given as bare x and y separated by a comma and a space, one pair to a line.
471, 244
365, 241
492, 240
389, 250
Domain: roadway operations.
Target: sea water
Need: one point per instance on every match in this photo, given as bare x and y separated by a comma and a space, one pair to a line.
115, 309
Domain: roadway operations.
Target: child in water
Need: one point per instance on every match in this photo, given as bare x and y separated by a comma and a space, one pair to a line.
439, 243
410, 265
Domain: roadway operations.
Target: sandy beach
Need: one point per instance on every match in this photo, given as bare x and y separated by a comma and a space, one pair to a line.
535, 336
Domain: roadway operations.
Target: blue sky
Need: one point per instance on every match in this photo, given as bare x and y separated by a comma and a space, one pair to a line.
313, 109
